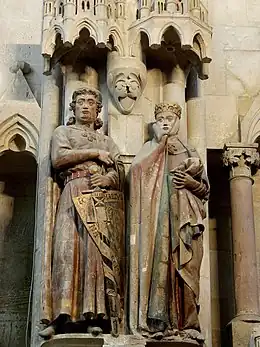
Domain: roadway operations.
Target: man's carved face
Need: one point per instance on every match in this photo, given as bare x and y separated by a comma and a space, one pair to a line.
86, 109
168, 122
127, 90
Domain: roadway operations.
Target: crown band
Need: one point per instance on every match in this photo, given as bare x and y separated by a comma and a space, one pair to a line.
170, 107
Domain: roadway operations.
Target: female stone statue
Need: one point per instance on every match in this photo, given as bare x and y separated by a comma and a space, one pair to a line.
88, 232
168, 188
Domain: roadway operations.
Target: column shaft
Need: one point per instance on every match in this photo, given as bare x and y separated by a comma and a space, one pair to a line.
49, 121
244, 253
196, 129
196, 126
174, 91
71, 82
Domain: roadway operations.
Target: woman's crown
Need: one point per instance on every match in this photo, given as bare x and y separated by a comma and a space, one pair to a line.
167, 107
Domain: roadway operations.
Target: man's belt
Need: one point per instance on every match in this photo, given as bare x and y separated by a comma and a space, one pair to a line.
93, 169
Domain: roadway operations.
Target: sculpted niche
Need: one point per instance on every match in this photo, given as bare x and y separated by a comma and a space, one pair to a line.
168, 189
86, 285
126, 80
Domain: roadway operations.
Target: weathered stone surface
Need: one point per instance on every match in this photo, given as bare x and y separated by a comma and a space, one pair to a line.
17, 199
80, 340
73, 340
240, 334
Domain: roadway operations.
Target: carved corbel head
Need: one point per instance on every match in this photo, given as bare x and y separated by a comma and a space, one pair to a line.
126, 79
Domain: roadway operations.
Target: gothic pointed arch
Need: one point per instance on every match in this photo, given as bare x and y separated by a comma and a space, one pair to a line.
18, 134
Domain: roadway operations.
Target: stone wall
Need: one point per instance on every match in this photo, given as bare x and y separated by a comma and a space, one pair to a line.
20, 40
233, 87
232, 109
20, 97
20, 72
17, 202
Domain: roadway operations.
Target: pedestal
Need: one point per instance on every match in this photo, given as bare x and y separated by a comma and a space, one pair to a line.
172, 344
74, 340
87, 340
240, 334
255, 336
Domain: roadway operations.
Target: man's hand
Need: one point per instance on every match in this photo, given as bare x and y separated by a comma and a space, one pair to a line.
101, 181
105, 157
184, 180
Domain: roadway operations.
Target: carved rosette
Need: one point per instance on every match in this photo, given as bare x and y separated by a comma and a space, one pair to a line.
241, 158
126, 79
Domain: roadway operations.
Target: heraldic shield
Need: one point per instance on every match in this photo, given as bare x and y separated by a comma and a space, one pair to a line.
102, 212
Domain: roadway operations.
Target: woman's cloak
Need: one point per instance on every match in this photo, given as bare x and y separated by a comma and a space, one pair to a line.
153, 239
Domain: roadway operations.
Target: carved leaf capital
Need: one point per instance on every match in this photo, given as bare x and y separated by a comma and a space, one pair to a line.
241, 156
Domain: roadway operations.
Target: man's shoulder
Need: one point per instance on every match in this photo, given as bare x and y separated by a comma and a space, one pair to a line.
61, 129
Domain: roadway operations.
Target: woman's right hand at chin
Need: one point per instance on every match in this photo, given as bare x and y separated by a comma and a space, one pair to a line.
159, 133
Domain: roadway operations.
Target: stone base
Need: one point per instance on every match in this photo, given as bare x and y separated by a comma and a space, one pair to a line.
181, 343
240, 333
255, 336
74, 340
85, 340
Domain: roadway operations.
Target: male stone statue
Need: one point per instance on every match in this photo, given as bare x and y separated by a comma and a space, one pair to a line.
168, 187
86, 281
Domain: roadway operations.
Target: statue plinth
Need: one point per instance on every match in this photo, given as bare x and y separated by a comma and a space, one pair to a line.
74, 340
173, 343
85, 340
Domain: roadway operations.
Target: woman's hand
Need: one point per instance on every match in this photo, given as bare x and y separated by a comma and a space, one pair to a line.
183, 180
105, 157
160, 133
101, 181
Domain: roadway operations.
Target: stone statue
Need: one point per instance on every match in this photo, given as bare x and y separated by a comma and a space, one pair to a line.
168, 189
88, 237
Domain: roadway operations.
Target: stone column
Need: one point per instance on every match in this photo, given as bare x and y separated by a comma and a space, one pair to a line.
71, 80
196, 132
241, 158
49, 121
196, 126
174, 91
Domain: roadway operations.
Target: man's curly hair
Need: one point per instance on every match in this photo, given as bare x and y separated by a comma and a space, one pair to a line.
83, 91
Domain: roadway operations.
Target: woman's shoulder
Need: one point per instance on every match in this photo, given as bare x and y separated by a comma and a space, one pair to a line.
192, 150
